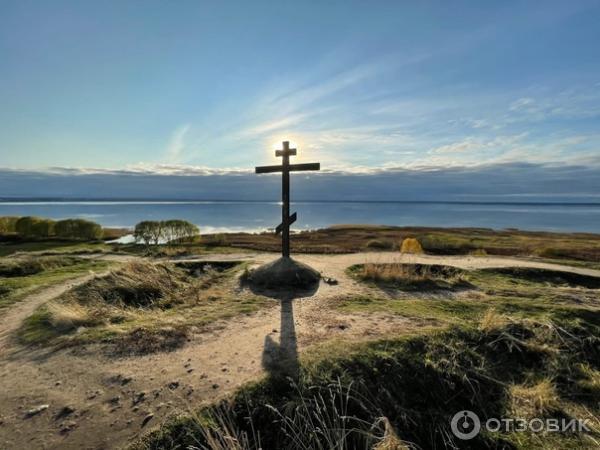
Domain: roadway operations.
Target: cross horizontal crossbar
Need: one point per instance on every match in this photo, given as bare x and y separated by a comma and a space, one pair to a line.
291, 168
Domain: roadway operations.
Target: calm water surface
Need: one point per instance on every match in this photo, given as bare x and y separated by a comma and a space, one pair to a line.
255, 216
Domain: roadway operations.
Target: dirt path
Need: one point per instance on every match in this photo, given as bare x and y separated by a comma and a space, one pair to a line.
14, 316
113, 398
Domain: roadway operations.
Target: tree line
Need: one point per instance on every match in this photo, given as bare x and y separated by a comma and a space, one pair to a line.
39, 227
164, 231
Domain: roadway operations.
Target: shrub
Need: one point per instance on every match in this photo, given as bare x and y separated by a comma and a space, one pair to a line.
380, 244
217, 240
151, 231
446, 244
8, 224
78, 229
179, 230
34, 227
411, 245
147, 231
478, 252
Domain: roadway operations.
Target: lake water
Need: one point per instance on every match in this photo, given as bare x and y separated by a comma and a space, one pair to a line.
256, 216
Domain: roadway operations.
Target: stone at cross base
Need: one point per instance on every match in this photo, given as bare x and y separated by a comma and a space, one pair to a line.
284, 272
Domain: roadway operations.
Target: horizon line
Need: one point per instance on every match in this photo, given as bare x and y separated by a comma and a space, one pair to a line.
133, 200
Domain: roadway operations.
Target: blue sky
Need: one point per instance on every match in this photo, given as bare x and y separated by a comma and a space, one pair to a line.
188, 87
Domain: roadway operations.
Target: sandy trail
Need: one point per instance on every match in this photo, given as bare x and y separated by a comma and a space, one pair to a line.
112, 397
14, 316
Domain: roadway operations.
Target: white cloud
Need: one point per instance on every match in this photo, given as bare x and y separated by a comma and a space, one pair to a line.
471, 144
525, 103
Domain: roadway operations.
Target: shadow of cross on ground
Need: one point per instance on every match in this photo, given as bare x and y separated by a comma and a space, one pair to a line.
280, 359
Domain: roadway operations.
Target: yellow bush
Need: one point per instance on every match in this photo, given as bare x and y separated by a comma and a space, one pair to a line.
411, 245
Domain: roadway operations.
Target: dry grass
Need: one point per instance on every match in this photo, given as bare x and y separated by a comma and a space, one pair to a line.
492, 321
321, 420
407, 275
392, 272
67, 317
537, 400
590, 381
137, 285
453, 241
411, 246
390, 440
142, 307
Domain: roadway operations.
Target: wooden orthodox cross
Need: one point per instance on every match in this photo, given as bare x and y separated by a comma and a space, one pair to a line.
285, 168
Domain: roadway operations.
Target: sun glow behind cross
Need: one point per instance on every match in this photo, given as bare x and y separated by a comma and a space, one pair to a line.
295, 142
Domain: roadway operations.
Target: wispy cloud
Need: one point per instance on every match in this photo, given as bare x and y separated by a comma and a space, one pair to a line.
177, 143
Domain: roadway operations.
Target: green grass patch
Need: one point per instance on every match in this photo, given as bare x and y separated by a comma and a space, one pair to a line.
536, 277
25, 266
53, 247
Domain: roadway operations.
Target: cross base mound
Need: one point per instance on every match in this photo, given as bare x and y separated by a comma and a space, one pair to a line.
284, 272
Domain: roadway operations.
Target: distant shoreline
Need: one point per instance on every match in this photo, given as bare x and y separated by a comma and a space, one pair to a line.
74, 201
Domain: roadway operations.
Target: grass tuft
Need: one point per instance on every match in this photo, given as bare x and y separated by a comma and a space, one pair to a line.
65, 318
536, 400
492, 320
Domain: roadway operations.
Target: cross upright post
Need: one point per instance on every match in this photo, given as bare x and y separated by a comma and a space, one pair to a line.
285, 198
285, 168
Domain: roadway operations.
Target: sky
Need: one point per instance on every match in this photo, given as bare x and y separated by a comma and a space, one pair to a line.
380, 90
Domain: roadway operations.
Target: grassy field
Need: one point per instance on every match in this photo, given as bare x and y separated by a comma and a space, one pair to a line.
504, 343
142, 307
20, 277
508, 343
452, 241
576, 248
52, 247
